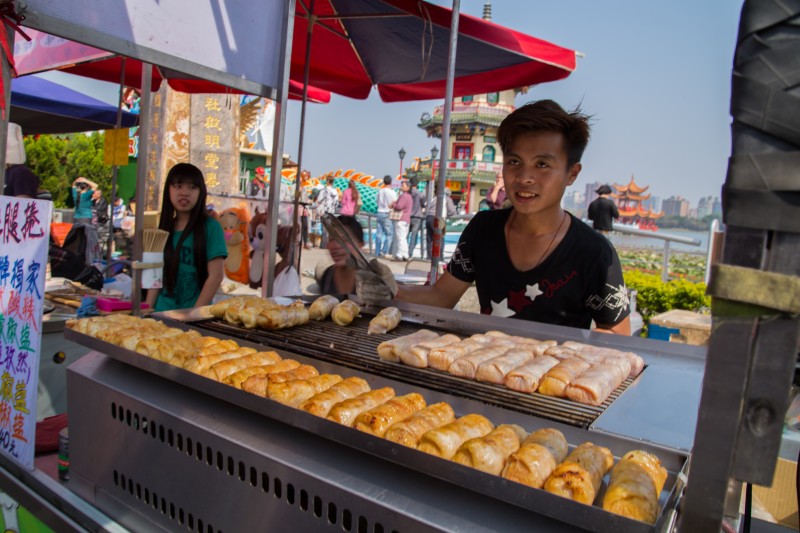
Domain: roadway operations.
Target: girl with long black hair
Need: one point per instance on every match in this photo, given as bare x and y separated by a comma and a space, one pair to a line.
195, 252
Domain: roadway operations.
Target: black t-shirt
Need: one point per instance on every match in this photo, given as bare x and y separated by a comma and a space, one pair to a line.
602, 211
581, 280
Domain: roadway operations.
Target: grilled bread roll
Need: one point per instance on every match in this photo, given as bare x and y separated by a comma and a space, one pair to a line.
378, 419
489, 453
346, 412
254, 303
594, 385
283, 316
236, 379
536, 458
248, 315
223, 369
445, 441
579, 476
386, 320
321, 308
442, 358
636, 483
345, 312
257, 384
295, 392
218, 309
417, 355
202, 363
409, 431
320, 404
222, 346
555, 381
526, 378
495, 370
390, 350
466, 366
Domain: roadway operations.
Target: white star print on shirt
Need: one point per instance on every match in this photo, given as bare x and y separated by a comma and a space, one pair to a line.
533, 291
501, 309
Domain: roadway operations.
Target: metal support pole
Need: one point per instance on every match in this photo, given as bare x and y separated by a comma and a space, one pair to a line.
141, 184
115, 168
665, 263
6, 73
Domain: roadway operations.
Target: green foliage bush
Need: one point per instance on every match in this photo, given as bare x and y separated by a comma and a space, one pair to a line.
655, 296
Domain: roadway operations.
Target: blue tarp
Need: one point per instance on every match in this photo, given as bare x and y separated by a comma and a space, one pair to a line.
42, 106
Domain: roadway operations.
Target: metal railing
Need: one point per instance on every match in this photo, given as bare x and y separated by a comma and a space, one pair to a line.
666, 237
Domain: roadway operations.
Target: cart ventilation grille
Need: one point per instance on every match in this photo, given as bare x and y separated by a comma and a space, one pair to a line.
351, 347
331, 513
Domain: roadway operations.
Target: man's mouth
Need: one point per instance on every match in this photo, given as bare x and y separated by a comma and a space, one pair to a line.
526, 194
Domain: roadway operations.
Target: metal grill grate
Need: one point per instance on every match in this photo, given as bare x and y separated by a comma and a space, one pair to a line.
351, 347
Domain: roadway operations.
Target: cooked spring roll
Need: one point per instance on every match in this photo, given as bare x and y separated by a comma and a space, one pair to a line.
295, 392
466, 366
345, 312
378, 419
390, 350
200, 364
218, 309
320, 404
283, 317
636, 483
386, 320
321, 308
417, 356
495, 370
581, 473
442, 358
345, 412
536, 458
233, 314
594, 385
555, 382
236, 379
636, 361
258, 384
223, 369
248, 316
445, 441
226, 345
561, 353
410, 431
489, 453
526, 377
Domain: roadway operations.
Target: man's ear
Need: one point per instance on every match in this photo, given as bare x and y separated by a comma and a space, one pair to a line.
573, 173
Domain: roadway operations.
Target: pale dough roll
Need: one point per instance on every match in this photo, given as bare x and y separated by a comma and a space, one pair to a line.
579, 476
386, 320
223, 369
345, 412
536, 458
417, 355
390, 350
445, 441
345, 312
526, 377
495, 370
636, 361
636, 483
321, 308
409, 431
555, 382
295, 392
239, 377
594, 385
442, 358
561, 353
378, 419
466, 366
320, 404
488, 453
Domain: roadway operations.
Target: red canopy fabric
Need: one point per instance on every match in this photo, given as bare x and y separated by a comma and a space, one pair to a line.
401, 46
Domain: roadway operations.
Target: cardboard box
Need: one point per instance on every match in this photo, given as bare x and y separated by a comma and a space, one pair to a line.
780, 500
694, 328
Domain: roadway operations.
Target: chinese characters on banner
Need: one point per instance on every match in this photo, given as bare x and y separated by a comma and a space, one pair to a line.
24, 238
214, 140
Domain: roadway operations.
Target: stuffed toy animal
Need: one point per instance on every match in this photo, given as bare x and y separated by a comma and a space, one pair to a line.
258, 243
234, 224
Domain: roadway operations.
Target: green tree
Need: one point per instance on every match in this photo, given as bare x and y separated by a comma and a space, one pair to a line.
45, 157
84, 157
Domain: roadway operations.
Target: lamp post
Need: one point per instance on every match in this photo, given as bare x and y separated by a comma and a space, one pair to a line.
469, 182
429, 190
402, 154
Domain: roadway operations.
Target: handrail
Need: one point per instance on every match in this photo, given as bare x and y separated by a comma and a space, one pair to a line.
657, 235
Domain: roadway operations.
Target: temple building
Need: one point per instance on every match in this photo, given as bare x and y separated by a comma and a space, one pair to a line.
630, 199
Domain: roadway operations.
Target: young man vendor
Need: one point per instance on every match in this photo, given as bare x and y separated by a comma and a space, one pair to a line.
532, 261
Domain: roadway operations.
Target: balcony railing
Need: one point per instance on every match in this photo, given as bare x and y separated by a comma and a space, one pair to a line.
476, 107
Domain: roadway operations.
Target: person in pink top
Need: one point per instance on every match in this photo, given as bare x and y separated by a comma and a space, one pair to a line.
404, 204
350, 200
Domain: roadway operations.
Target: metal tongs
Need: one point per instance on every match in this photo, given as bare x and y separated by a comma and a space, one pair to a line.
338, 232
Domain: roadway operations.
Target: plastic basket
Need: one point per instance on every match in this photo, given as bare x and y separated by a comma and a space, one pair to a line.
59, 231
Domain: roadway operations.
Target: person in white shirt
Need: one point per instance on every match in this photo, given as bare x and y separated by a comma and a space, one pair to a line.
327, 201
384, 232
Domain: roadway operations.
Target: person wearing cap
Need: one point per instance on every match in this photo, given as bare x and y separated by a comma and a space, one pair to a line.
258, 187
603, 211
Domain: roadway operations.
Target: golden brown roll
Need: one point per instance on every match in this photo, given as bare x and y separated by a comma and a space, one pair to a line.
202, 363
466, 366
321, 308
234, 310
226, 345
594, 385
248, 316
386, 320
320, 404
495, 370
390, 350
218, 309
223, 369
636, 361
526, 378
417, 355
295, 392
442, 358
345, 312
636, 483
410, 431
345, 412
581, 473
237, 378
445, 441
489, 453
257, 384
555, 382
378, 419
536, 458
282, 317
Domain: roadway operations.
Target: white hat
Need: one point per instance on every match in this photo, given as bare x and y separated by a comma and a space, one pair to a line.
15, 146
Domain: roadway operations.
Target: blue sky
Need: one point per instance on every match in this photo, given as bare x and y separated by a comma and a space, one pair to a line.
655, 77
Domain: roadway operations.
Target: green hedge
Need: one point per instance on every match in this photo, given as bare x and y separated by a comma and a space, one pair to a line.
655, 296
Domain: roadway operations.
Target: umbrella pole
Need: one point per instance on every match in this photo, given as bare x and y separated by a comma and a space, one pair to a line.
439, 222
6, 76
114, 169
141, 180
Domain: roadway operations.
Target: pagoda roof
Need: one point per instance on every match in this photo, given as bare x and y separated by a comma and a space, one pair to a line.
462, 118
631, 197
631, 187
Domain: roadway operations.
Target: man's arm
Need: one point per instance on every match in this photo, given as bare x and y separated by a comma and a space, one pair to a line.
622, 327
447, 291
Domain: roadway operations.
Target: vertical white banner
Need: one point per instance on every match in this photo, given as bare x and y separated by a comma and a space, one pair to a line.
24, 238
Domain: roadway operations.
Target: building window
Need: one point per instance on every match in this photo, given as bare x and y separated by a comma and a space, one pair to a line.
493, 98
462, 151
489, 139
466, 99
488, 153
